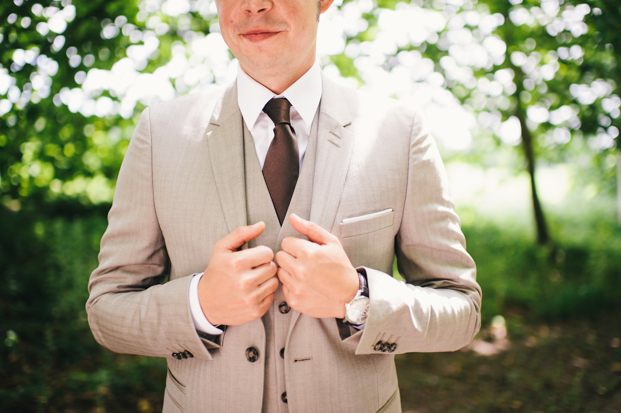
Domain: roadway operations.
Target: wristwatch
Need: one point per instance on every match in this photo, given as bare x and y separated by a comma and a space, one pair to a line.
357, 310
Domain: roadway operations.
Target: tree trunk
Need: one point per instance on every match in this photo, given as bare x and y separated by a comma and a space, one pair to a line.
543, 236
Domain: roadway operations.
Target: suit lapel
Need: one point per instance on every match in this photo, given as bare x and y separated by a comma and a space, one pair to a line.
334, 148
224, 136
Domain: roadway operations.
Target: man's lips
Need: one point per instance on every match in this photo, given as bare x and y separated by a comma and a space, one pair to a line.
259, 35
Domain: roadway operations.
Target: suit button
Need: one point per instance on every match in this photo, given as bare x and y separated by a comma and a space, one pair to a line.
252, 354
385, 347
188, 354
378, 346
392, 348
282, 353
283, 397
175, 355
284, 307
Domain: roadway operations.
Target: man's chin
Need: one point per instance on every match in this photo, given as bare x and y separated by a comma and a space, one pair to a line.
264, 62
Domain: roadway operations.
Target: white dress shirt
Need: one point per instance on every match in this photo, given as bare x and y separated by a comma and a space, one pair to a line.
304, 96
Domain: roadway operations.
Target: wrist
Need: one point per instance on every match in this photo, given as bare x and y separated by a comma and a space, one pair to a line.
354, 285
207, 312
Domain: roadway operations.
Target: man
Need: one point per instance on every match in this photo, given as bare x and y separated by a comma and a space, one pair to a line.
276, 221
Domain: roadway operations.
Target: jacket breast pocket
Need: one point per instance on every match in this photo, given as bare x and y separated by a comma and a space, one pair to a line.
364, 224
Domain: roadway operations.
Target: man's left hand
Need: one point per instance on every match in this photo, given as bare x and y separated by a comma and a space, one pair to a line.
317, 276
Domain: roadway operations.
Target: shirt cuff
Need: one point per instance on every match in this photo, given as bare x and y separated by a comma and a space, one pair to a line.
357, 328
198, 317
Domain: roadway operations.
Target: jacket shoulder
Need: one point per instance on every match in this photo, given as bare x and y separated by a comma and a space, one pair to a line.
195, 108
371, 111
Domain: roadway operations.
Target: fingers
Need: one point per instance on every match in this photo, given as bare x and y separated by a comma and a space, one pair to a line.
287, 287
266, 294
264, 272
240, 236
250, 281
254, 257
285, 277
295, 246
269, 286
287, 294
285, 260
311, 230
265, 304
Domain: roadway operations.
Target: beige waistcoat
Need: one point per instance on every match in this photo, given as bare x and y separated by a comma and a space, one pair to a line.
259, 207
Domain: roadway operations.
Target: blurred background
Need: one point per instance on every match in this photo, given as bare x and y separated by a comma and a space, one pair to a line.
523, 97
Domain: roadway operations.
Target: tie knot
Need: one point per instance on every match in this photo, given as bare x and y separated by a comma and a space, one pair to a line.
278, 110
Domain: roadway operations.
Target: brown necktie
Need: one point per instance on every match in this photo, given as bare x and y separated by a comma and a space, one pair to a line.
282, 162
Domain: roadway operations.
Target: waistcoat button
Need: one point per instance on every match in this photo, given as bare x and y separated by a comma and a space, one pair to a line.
284, 307
252, 354
283, 397
282, 353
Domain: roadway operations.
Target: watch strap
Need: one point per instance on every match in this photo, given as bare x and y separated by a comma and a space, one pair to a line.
364, 284
363, 291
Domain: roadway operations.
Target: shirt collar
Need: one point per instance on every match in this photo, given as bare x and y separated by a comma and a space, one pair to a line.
304, 95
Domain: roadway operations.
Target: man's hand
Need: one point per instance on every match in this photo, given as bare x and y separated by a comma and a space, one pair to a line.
318, 278
238, 286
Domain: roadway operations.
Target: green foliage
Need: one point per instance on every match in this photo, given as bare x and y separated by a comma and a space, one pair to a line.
50, 152
582, 278
345, 65
49, 360
602, 59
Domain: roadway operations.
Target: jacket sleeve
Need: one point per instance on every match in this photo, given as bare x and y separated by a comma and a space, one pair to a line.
438, 307
130, 309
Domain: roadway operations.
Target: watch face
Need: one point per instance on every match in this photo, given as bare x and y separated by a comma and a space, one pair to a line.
358, 310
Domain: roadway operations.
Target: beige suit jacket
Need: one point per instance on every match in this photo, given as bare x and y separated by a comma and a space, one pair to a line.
181, 189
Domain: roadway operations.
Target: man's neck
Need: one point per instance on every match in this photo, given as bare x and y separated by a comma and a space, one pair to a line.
304, 96
279, 81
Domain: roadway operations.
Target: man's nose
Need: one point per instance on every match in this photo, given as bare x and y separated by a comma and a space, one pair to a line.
257, 6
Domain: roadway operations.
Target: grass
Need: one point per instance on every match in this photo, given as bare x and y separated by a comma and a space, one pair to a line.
579, 276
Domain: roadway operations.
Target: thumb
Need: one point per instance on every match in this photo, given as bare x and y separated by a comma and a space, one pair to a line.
310, 230
240, 236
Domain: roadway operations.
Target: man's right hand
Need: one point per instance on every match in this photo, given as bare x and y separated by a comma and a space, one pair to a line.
238, 286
